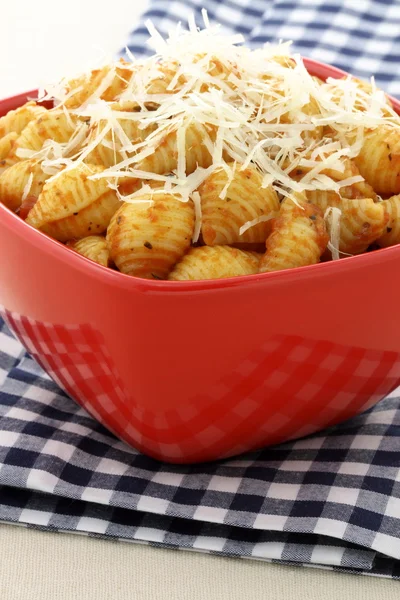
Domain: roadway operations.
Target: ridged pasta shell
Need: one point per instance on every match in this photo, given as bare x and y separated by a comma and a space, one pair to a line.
245, 201
147, 240
6, 145
150, 81
102, 154
165, 157
362, 221
361, 189
379, 160
391, 235
73, 206
52, 125
298, 239
215, 262
16, 120
94, 247
82, 88
14, 182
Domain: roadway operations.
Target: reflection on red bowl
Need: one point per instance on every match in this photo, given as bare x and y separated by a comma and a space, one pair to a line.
193, 371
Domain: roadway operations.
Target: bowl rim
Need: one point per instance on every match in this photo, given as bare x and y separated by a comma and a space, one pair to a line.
116, 278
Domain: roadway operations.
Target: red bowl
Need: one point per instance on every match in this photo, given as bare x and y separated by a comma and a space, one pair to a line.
194, 371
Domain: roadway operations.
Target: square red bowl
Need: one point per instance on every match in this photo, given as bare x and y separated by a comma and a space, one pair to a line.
195, 371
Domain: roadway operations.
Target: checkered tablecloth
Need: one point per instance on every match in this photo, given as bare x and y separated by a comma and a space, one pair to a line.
331, 500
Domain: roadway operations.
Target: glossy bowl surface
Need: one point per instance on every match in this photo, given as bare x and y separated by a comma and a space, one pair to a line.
194, 371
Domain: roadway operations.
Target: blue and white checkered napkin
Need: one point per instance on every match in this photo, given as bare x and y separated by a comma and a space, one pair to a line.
332, 499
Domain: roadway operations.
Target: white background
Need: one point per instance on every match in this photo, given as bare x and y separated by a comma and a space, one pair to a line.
44, 40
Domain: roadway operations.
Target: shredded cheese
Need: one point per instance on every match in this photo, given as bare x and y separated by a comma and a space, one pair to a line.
332, 216
197, 213
27, 187
250, 224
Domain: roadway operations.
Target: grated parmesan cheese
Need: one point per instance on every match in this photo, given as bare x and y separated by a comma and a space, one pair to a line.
332, 216
27, 187
197, 213
256, 221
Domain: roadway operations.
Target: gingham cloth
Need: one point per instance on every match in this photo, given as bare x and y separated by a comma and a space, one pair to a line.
329, 500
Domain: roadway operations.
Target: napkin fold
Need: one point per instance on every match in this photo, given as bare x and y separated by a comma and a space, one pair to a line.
332, 499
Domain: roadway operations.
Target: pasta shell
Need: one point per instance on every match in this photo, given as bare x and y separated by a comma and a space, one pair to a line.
245, 200
360, 189
73, 206
22, 179
215, 262
81, 89
165, 157
6, 145
16, 120
94, 247
299, 237
362, 221
379, 160
108, 156
148, 237
150, 81
52, 125
391, 234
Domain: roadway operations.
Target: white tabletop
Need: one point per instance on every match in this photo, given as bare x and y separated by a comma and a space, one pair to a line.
41, 41
38, 565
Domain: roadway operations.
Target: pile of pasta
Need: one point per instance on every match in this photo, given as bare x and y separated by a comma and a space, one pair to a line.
206, 160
